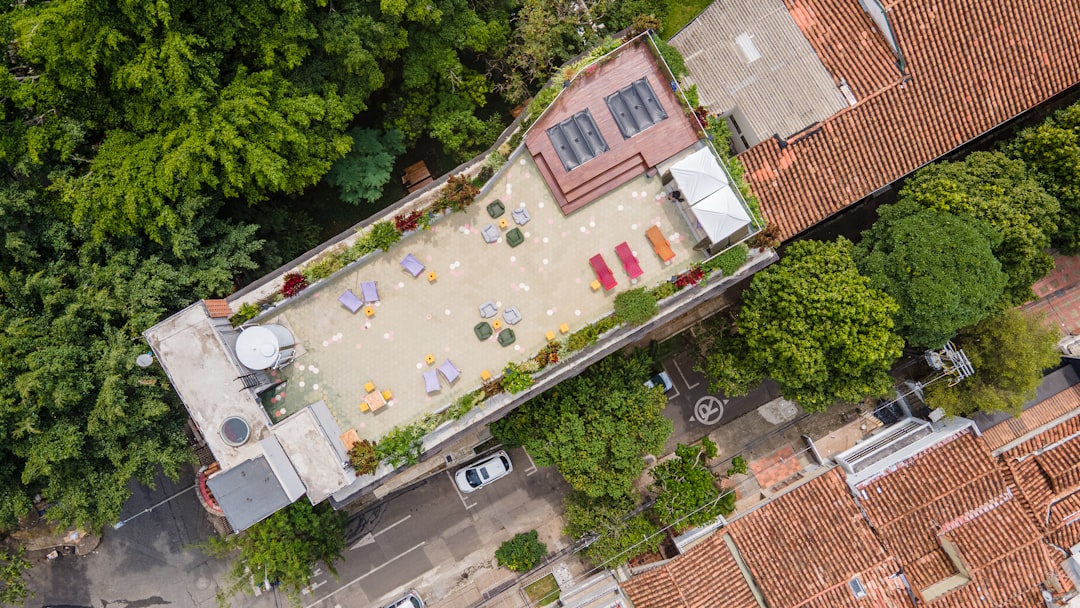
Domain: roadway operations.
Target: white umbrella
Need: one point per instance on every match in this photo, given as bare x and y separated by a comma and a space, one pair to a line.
720, 214
699, 175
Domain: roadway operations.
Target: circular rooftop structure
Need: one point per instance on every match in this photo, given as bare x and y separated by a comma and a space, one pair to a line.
235, 431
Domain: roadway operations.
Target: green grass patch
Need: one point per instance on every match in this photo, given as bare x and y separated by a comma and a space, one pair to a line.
544, 591
680, 14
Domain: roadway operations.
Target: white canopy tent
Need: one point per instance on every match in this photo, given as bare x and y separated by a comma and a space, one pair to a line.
699, 175
720, 214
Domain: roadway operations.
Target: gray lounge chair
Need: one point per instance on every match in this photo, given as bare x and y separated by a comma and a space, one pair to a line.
449, 371
351, 301
511, 315
491, 233
495, 208
515, 237
521, 216
370, 291
488, 310
506, 337
431, 381
412, 265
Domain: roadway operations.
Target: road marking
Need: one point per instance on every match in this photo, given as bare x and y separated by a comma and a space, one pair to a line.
683, 376
459, 494
369, 572
369, 538
708, 410
532, 465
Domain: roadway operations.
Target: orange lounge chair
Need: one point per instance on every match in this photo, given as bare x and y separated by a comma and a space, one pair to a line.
660, 244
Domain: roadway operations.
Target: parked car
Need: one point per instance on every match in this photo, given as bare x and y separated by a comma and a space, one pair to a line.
411, 600
660, 379
482, 473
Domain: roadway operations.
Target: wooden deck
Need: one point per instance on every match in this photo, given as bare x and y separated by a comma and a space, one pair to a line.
625, 158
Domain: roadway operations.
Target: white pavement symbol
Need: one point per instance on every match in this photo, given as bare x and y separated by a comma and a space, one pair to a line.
683, 376
532, 465
368, 573
369, 538
708, 410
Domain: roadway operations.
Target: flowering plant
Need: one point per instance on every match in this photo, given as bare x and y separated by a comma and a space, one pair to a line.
294, 284
690, 277
407, 222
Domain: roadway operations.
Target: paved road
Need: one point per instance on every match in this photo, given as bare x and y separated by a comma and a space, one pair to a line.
695, 411
429, 536
148, 562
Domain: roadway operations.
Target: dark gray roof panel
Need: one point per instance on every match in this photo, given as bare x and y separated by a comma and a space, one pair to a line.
248, 493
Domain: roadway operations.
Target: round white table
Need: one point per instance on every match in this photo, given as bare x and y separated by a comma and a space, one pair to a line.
260, 347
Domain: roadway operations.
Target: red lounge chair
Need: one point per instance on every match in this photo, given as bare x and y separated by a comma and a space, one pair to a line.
603, 272
629, 262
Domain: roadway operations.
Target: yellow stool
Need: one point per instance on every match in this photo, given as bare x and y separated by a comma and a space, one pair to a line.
564, 328
369, 386
364, 407
369, 311
431, 276
550, 336
595, 285
429, 359
503, 223
485, 375
387, 395
496, 325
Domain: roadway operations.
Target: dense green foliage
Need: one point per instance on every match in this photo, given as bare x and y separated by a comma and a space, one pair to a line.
79, 418
938, 267
1002, 194
1009, 352
521, 553
402, 445
285, 547
361, 174
616, 536
1052, 151
635, 306
686, 491
724, 357
818, 327
13, 589
595, 427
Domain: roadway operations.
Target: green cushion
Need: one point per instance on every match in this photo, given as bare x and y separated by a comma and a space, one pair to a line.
507, 337
514, 237
495, 208
483, 330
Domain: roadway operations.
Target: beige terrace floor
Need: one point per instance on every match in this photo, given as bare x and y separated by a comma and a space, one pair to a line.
547, 277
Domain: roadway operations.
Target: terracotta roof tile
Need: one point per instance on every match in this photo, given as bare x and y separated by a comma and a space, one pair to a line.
1042, 413
973, 65
848, 43
807, 542
217, 308
721, 583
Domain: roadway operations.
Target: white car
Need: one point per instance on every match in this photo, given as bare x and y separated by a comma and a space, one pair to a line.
482, 473
411, 600
661, 379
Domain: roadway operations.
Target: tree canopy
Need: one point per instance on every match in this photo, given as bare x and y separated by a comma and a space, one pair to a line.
361, 174
1003, 194
1009, 352
939, 268
596, 427
817, 327
284, 548
614, 533
687, 493
1052, 151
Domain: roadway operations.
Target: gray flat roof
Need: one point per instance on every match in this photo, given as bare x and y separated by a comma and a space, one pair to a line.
751, 54
248, 493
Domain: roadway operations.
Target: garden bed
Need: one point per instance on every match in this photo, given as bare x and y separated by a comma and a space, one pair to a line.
543, 591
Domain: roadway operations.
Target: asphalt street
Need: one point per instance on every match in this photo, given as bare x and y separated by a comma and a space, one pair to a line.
431, 535
150, 561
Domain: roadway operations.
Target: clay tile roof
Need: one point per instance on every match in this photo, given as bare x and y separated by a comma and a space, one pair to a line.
848, 44
706, 576
1044, 468
1036, 416
973, 64
955, 494
217, 308
808, 542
